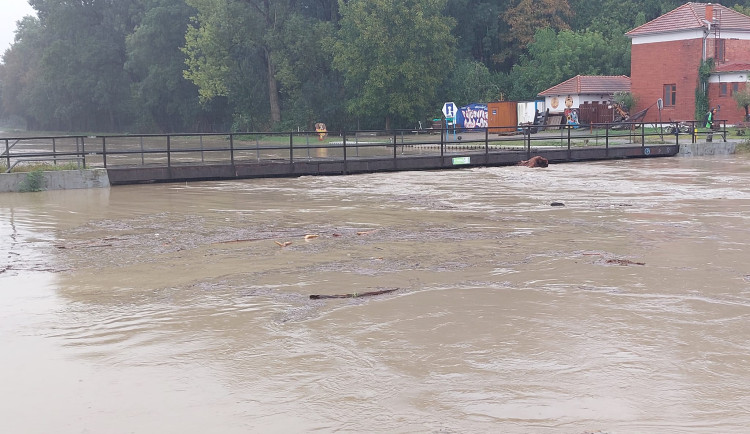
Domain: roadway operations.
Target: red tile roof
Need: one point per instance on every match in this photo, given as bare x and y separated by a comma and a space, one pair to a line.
690, 16
590, 84
733, 67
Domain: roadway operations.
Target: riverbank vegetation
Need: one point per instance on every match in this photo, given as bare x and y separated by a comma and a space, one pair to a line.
161, 66
39, 167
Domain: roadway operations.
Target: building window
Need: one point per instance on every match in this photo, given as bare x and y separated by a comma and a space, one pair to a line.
735, 88
720, 50
722, 89
670, 94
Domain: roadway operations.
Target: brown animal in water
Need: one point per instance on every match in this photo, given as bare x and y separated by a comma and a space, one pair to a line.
536, 161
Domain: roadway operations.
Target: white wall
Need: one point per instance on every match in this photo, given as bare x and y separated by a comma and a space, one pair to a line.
527, 110
577, 101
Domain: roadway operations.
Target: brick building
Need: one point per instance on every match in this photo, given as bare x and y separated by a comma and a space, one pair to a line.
667, 52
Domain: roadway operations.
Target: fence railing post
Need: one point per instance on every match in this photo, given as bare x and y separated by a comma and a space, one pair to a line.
291, 147
104, 151
486, 145
203, 157
606, 139
394, 148
82, 151
442, 145
169, 151
343, 146
527, 145
231, 148
7, 153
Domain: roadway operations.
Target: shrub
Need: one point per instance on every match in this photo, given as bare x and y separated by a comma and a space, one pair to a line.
34, 181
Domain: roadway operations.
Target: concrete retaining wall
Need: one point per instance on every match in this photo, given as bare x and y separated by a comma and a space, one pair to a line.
707, 148
56, 180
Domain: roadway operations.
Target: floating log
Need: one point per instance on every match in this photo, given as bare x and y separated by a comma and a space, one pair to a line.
352, 295
624, 262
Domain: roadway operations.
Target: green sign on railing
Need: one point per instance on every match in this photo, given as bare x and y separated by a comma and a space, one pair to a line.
461, 160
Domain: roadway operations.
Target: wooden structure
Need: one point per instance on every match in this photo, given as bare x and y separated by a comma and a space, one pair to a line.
596, 113
502, 117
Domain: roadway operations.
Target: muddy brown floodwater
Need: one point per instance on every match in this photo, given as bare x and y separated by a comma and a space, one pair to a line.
185, 308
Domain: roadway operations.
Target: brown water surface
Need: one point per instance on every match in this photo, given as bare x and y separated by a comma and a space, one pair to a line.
177, 308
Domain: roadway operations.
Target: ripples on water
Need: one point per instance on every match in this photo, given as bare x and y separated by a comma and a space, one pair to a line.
173, 305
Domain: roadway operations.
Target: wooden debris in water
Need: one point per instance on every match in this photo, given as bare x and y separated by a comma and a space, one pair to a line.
623, 262
352, 295
284, 244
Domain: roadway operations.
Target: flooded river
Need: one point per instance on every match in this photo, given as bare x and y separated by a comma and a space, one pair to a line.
185, 308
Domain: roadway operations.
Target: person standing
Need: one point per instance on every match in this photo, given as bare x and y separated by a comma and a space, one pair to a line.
710, 118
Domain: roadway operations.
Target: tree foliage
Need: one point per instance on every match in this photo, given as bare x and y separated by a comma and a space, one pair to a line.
210, 65
525, 19
470, 82
561, 56
743, 99
393, 54
167, 101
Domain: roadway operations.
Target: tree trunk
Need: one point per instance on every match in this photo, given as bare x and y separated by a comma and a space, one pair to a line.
273, 90
388, 122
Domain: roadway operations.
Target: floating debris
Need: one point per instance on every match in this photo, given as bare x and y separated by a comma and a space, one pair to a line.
623, 262
309, 237
352, 295
284, 244
536, 161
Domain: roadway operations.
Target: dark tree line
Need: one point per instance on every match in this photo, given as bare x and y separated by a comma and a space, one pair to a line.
215, 65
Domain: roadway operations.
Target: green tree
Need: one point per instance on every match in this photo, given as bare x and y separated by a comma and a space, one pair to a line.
626, 100
393, 55
478, 27
742, 9
311, 91
525, 19
80, 83
470, 82
230, 53
562, 56
613, 18
743, 99
19, 73
167, 102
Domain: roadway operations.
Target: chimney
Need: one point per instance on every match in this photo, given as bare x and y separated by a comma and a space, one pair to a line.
710, 13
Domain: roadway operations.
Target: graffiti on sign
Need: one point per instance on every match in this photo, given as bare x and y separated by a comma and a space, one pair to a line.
472, 116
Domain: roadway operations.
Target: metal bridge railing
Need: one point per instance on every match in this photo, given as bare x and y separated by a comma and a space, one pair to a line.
287, 147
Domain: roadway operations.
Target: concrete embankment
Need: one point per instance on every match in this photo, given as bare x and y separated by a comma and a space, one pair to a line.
707, 148
53, 180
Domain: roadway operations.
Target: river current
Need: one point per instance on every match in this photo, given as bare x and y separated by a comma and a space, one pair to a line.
185, 308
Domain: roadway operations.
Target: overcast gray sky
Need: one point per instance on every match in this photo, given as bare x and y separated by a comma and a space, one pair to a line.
11, 11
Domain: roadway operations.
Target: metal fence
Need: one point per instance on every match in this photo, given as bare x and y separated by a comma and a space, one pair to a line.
112, 151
